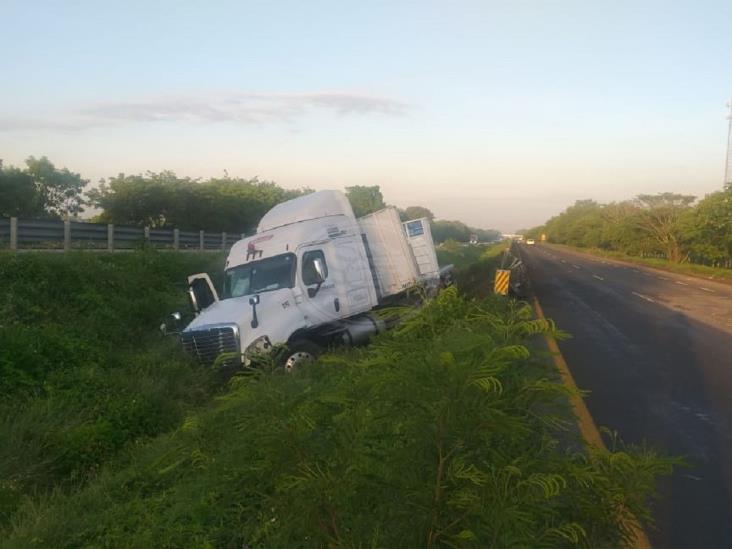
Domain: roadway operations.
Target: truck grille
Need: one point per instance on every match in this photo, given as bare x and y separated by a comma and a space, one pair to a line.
208, 343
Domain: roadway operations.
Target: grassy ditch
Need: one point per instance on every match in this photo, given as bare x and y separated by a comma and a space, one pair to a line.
447, 431
84, 371
443, 432
475, 266
464, 256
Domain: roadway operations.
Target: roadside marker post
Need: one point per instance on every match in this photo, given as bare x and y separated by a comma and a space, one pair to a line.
500, 285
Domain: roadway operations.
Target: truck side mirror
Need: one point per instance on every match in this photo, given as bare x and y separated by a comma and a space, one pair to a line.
171, 324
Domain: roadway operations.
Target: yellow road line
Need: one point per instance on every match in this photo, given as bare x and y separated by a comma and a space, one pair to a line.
586, 424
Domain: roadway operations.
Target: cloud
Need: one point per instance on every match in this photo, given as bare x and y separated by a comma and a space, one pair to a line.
240, 108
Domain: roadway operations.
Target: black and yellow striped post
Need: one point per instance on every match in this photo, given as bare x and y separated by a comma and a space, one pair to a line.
500, 285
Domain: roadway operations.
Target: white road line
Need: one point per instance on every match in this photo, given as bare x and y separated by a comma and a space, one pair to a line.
562, 260
576, 266
598, 277
650, 299
636, 271
705, 289
681, 283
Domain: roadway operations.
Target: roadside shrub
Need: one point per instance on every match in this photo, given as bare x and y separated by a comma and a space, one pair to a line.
445, 431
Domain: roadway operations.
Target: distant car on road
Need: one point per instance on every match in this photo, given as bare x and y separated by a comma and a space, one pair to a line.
530, 242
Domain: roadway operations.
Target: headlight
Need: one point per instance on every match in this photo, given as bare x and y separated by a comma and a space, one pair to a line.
259, 346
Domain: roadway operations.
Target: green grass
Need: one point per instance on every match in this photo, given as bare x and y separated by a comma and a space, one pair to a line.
474, 265
84, 370
702, 271
462, 256
445, 431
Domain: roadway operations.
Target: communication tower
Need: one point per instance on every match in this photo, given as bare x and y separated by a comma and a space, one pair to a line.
728, 164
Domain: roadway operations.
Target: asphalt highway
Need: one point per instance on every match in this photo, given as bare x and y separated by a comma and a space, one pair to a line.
655, 351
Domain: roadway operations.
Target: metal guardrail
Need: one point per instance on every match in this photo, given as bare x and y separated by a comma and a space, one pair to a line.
65, 235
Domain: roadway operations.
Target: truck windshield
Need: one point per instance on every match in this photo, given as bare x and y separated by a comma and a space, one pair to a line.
260, 276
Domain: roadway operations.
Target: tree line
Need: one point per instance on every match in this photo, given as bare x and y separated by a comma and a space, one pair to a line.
40, 190
674, 226
368, 199
157, 200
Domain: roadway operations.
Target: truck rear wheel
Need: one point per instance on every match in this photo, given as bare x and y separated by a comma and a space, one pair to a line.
298, 353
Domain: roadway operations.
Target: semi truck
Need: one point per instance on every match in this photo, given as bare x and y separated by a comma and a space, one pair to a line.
313, 276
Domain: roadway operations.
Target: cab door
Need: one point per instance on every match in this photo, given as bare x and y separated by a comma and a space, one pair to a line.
318, 296
201, 292
354, 279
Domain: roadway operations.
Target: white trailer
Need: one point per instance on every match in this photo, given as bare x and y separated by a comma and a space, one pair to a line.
309, 278
389, 253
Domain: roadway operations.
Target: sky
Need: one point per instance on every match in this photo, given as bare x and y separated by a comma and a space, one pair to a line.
499, 114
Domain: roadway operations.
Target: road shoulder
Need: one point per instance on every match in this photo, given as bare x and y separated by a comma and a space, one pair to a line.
723, 286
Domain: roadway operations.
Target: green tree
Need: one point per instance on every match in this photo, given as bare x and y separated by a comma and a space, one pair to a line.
709, 227
579, 225
149, 200
365, 199
487, 235
660, 219
163, 199
415, 212
620, 231
60, 190
450, 230
18, 194
666, 224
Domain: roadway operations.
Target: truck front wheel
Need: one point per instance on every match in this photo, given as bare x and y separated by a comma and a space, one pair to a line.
298, 353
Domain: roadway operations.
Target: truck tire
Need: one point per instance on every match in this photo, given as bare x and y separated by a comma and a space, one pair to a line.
297, 353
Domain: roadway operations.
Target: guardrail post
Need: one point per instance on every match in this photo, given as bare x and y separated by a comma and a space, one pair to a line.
243, 236
223, 241
147, 234
176, 239
67, 234
201, 240
13, 233
110, 237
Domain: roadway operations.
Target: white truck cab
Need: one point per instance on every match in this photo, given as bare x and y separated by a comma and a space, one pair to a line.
308, 278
